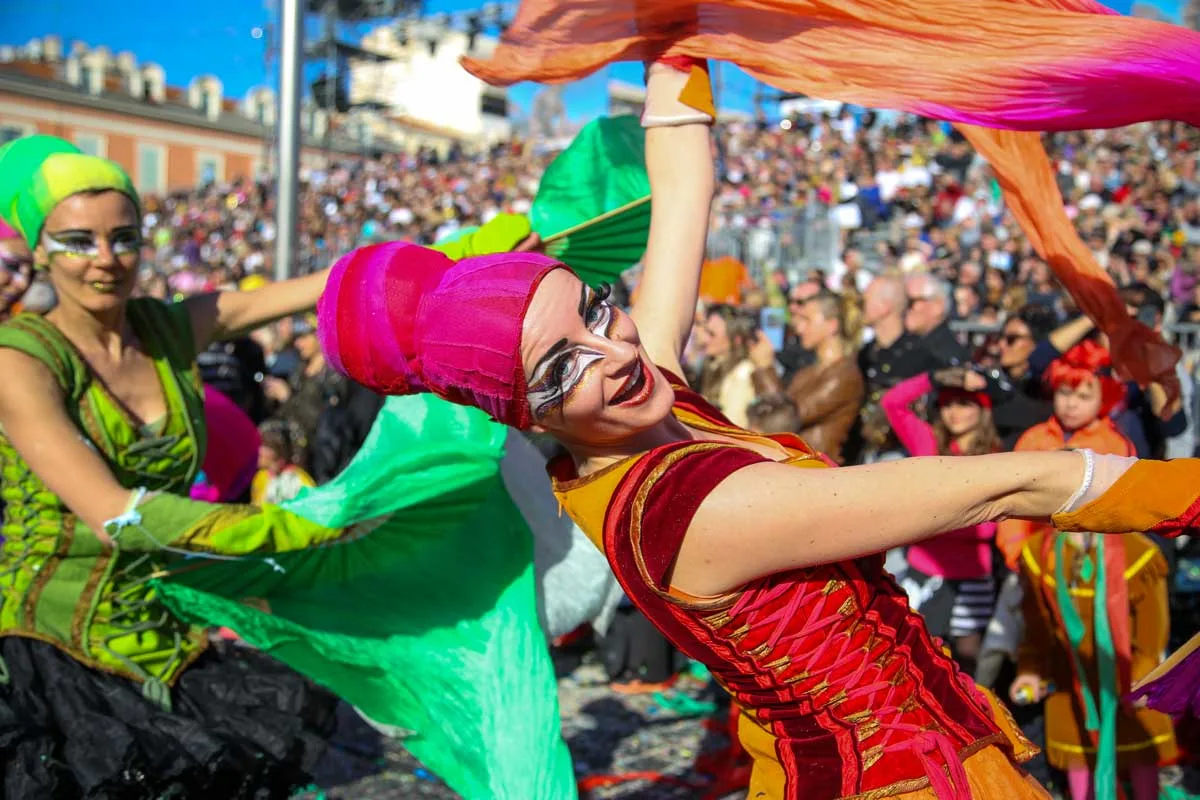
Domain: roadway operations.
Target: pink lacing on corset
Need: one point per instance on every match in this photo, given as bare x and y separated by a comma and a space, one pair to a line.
893, 734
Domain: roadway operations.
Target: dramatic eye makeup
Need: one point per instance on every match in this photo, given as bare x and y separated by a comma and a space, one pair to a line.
85, 244
565, 365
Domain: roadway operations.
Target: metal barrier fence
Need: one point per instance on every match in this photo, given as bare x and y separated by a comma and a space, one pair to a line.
1184, 335
797, 241
974, 334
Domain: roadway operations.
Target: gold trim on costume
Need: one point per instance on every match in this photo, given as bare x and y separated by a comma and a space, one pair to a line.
638, 507
1163, 738
1036, 570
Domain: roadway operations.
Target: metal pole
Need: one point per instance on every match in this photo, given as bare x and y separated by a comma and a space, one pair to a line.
291, 73
332, 67
718, 85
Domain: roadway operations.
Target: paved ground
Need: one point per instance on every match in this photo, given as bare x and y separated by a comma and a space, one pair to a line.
606, 732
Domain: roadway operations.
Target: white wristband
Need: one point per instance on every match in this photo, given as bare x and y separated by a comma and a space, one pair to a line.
663, 121
1089, 474
131, 516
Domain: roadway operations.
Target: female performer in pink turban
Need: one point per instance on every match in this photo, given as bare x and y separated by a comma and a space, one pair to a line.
747, 551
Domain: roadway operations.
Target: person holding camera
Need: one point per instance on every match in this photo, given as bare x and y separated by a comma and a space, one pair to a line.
826, 396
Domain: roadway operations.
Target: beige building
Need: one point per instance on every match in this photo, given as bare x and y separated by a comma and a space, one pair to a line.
430, 100
167, 137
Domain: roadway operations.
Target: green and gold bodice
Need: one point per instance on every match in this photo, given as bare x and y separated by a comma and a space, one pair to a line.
58, 581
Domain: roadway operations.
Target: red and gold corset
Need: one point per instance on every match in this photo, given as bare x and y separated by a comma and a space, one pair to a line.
846, 693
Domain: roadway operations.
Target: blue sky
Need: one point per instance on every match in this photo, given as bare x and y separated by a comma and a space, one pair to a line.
192, 37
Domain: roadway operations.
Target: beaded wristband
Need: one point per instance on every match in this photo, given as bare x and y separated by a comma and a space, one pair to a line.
1089, 473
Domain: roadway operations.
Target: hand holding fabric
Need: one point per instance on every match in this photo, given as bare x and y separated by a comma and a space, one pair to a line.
678, 92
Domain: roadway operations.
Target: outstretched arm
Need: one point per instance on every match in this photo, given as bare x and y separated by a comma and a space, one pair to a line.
806, 517
225, 315
679, 162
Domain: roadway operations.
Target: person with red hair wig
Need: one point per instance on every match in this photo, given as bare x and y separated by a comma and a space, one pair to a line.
1085, 394
1085, 390
1095, 607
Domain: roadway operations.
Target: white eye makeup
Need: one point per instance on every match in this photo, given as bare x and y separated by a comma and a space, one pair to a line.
85, 244
555, 378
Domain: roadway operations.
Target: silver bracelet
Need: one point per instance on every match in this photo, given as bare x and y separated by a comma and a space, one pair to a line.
663, 121
1089, 472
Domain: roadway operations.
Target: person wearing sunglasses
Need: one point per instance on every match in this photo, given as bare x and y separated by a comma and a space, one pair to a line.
1029, 341
927, 318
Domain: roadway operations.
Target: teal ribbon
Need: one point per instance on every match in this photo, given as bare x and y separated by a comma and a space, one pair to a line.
1101, 718
1106, 661
157, 692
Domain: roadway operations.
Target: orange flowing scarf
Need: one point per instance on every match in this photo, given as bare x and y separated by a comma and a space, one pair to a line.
1000, 70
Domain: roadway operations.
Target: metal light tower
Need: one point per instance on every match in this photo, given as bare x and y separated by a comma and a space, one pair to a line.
292, 57
291, 72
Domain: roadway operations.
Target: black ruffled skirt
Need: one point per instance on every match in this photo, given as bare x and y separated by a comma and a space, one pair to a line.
242, 725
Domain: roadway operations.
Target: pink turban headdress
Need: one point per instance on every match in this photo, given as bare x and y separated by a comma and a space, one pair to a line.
403, 319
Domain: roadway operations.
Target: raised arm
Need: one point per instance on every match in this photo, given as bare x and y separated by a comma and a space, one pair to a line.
226, 315
679, 162
913, 432
806, 517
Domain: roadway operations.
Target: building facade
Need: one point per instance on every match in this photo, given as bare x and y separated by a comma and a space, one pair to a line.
430, 99
167, 137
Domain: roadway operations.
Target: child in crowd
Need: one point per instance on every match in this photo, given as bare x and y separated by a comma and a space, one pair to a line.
281, 473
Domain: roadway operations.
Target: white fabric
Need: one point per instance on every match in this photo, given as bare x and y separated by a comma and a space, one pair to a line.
1007, 626
973, 606
1184, 445
1101, 473
575, 583
1089, 470
920, 593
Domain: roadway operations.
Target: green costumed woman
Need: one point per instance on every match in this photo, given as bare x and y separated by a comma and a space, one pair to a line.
110, 577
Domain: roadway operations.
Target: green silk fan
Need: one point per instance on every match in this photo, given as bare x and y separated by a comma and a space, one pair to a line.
592, 208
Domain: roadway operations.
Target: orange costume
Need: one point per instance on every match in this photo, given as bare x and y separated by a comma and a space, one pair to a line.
1101, 436
1143, 736
1136, 606
844, 693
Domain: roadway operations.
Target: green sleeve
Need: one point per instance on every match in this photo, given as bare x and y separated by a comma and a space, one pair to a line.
165, 520
37, 338
500, 235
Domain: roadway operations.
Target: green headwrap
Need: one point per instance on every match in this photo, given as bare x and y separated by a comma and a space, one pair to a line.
39, 172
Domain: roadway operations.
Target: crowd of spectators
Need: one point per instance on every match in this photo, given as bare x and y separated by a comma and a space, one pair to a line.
890, 222
879, 249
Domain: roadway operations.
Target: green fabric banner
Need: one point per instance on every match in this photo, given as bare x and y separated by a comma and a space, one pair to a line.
427, 619
597, 193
